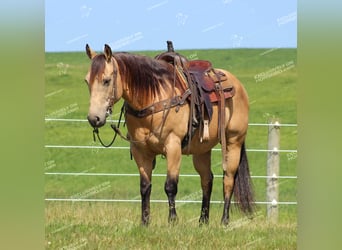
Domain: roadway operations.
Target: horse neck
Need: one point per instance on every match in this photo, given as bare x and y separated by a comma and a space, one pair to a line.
127, 93
141, 103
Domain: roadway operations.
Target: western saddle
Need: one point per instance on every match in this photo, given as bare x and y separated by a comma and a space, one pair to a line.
205, 85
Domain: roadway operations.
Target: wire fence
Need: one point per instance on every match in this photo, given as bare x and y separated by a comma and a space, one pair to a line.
157, 175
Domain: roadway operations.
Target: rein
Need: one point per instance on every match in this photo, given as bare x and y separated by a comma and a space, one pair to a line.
116, 131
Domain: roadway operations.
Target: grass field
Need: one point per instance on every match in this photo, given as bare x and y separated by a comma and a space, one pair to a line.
269, 76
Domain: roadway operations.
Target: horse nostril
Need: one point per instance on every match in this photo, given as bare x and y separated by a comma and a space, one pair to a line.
93, 120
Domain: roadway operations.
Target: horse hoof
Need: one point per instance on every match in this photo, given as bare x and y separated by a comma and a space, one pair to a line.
203, 221
224, 222
145, 223
173, 221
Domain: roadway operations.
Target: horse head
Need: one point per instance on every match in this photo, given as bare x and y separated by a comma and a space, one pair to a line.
104, 86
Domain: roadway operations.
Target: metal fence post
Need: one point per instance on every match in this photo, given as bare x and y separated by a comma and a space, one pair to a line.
272, 192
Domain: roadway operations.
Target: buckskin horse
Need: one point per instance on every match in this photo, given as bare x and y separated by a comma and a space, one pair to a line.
160, 120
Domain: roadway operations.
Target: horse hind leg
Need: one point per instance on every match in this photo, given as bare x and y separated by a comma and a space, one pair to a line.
202, 165
236, 178
232, 158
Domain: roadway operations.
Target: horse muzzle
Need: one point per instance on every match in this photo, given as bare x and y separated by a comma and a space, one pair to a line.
95, 121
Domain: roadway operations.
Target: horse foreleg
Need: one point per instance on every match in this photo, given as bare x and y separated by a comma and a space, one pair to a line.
145, 192
233, 159
145, 165
202, 165
171, 192
173, 155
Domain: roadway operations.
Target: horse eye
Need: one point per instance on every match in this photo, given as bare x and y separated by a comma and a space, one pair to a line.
106, 82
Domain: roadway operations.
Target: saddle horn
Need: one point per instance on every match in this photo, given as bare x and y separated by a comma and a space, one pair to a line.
170, 46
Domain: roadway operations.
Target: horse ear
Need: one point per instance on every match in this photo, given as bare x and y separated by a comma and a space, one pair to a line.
108, 52
91, 54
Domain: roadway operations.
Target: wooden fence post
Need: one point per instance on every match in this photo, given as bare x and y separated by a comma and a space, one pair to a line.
272, 192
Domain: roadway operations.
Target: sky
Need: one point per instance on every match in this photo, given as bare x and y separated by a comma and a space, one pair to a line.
132, 25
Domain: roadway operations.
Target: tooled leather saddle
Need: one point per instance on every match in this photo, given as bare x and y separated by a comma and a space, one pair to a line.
206, 88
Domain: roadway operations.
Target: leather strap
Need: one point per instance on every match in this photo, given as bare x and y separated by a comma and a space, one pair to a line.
158, 106
221, 123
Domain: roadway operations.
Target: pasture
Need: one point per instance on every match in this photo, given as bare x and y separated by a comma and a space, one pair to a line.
269, 76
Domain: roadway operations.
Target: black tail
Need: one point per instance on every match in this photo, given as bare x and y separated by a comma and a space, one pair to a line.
243, 190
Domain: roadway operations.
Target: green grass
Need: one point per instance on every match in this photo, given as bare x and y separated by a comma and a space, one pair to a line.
116, 225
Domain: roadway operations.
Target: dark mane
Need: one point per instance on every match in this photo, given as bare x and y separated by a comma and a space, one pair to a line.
145, 76
97, 66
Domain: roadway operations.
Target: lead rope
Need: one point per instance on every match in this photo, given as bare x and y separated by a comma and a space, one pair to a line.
114, 127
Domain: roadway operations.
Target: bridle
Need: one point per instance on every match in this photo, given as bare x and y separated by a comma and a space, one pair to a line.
111, 100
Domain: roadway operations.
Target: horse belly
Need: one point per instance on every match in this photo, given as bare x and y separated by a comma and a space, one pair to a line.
197, 147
